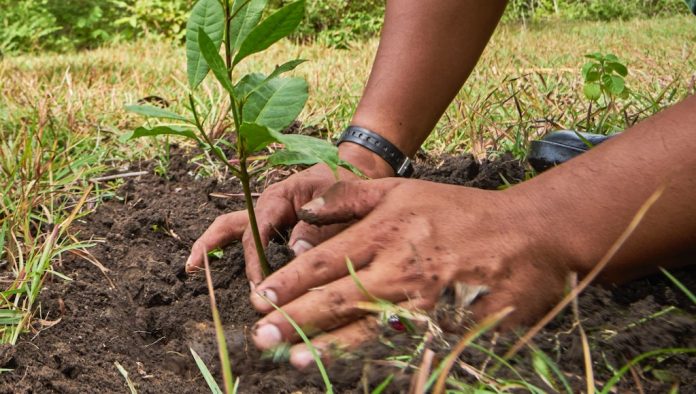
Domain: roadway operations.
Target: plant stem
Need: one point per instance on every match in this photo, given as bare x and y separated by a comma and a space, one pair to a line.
241, 149
248, 199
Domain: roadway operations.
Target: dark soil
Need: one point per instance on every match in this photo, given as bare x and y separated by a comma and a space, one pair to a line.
154, 312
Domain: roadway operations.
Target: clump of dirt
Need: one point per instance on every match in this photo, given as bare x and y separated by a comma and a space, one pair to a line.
145, 313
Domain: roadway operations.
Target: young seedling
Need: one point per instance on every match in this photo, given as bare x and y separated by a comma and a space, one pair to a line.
259, 106
604, 78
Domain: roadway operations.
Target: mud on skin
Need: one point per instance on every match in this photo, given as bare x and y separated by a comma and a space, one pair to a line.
155, 312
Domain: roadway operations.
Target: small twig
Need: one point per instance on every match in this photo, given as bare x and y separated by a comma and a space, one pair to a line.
636, 379
587, 356
487, 323
118, 176
233, 195
155, 342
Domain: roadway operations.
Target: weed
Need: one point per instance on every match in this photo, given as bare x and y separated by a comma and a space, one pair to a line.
604, 79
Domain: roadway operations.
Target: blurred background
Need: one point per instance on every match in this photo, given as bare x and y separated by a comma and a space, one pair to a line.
65, 25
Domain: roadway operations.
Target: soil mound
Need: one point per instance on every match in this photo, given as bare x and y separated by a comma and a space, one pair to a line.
145, 312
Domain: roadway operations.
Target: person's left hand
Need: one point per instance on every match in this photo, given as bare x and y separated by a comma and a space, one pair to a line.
414, 238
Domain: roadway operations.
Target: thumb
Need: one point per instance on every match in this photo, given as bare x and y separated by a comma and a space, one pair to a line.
225, 229
346, 201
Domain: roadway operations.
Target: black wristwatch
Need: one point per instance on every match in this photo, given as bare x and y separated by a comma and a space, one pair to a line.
381, 147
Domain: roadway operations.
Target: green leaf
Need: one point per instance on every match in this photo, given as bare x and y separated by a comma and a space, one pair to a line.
210, 16
256, 136
309, 149
592, 91
278, 25
252, 82
163, 130
596, 56
291, 158
248, 14
248, 84
212, 57
155, 112
617, 85
618, 68
274, 104
586, 68
592, 76
285, 67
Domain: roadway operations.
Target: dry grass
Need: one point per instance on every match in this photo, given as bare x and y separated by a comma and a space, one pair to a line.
527, 82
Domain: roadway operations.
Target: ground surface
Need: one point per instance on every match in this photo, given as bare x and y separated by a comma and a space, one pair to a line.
153, 312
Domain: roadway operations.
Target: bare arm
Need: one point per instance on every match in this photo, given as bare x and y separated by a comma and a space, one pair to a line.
426, 52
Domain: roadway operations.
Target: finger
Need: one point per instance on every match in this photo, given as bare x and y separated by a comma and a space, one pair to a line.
347, 338
224, 229
346, 201
489, 304
332, 306
329, 345
274, 211
305, 236
317, 267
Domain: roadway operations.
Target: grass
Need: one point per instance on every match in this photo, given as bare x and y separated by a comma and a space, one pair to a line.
61, 117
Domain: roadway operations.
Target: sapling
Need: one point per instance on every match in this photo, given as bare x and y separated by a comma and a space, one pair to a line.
258, 106
604, 78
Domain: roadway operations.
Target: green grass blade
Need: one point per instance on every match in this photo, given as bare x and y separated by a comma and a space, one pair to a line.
383, 386
212, 384
661, 352
310, 346
680, 285
543, 357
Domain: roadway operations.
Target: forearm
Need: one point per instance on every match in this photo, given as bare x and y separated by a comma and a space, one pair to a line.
426, 52
594, 197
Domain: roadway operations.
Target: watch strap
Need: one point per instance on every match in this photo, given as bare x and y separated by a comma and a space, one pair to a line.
402, 165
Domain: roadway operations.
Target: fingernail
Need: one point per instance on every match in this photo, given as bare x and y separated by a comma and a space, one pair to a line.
257, 297
301, 246
302, 359
314, 205
252, 286
188, 264
267, 336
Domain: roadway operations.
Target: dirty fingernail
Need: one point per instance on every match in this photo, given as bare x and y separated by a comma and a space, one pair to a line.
267, 336
301, 246
301, 359
314, 205
189, 264
257, 297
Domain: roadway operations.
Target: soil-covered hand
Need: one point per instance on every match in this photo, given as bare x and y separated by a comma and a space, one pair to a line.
276, 210
413, 239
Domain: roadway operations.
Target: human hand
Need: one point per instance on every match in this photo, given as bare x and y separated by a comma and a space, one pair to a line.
413, 239
276, 209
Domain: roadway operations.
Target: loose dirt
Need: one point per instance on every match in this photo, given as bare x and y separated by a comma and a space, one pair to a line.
145, 312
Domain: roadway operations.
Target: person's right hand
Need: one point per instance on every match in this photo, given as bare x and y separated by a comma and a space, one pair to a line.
276, 210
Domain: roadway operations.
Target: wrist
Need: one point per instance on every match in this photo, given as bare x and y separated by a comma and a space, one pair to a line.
365, 160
